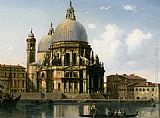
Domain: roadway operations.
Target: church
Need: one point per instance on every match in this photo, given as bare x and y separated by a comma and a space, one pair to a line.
64, 61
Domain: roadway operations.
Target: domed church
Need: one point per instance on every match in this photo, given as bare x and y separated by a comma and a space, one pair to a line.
65, 61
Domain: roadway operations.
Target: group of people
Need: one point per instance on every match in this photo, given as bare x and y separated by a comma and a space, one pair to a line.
116, 113
94, 112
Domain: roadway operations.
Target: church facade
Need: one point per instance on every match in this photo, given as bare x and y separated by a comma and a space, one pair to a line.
65, 61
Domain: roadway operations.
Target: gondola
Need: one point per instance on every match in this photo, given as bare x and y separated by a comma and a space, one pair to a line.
109, 116
8, 101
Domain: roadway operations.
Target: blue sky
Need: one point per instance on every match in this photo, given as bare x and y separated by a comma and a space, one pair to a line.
121, 32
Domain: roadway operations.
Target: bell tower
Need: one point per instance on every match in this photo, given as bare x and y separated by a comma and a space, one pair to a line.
31, 48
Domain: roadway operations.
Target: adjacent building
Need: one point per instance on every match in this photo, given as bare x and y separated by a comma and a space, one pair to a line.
144, 91
12, 79
132, 87
65, 61
117, 85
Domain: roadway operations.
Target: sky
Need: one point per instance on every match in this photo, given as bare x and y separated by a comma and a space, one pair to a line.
124, 33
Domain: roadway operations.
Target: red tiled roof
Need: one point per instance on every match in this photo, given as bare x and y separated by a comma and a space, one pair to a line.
147, 84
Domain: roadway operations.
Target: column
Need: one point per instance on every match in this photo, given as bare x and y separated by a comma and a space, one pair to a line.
63, 54
71, 57
88, 83
64, 86
78, 57
73, 88
69, 86
67, 89
78, 87
99, 84
92, 84
84, 86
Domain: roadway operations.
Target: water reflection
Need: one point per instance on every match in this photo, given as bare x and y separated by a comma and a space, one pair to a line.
48, 110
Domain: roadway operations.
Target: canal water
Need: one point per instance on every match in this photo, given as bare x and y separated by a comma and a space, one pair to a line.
72, 110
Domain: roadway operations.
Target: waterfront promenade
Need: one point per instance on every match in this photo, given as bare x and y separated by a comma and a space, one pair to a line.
79, 98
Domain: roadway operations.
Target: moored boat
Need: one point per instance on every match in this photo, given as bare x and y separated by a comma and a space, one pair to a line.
9, 101
110, 116
96, 113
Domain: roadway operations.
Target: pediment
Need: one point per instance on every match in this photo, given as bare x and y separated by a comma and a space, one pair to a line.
71, 68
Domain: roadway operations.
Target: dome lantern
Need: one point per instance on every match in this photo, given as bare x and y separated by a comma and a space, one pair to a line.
70, 12
31, 35
51, 30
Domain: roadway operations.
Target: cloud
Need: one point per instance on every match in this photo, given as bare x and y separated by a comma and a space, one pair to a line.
124, 52
105, 8
136, 39
129, 7
10, 48
87, 12
112, 41
91, 26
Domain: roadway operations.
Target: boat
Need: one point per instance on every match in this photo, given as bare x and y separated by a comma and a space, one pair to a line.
94, 113
9, 101
110, 116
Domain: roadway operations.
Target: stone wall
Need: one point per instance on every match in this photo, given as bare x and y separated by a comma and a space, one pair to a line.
39, 96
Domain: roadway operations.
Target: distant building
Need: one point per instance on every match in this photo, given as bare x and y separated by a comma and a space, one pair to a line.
144, 91
117, 84
12, 79
65, 61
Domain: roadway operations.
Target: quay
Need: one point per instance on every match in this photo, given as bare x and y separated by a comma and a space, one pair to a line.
75, 98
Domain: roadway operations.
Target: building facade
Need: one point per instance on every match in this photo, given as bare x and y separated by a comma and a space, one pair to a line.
12, 79
117, 85
144, 91
132, 87
65, 61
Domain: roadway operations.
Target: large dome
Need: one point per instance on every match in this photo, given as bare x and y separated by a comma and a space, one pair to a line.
70, 30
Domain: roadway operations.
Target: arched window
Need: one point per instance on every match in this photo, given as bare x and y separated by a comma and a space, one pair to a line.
31, 45
75, 75
43, 75
59, 85
67, 59
67, 74
54, 62
74, 59
57, 55
53, 85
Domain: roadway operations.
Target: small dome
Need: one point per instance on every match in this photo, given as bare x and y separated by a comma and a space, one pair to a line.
31, 37
46, 41
70, 30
